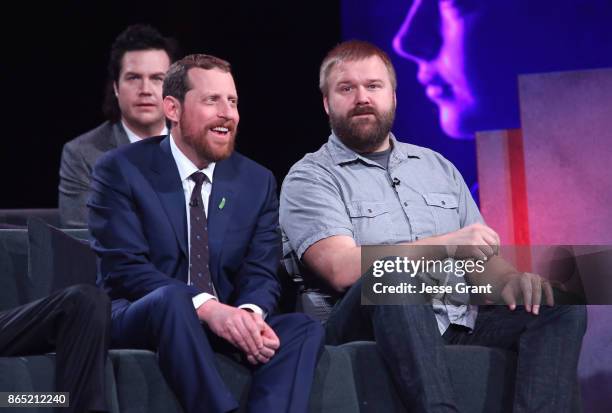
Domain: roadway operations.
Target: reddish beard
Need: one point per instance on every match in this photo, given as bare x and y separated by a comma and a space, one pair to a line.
202, 144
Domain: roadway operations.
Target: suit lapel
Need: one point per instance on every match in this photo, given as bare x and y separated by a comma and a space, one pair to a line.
119, 135
167, 185
222, 203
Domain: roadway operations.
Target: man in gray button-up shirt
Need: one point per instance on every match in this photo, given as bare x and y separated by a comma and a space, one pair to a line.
363, 187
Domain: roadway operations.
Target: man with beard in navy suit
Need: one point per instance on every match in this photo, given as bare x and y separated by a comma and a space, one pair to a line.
187, 233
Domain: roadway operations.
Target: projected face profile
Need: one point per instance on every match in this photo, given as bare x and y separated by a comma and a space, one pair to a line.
470, 52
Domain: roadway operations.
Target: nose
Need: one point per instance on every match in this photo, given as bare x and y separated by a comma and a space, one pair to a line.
361, 96
419, 36
226, 110
146, 86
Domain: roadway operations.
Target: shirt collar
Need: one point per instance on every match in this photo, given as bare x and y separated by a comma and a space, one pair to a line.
185, 167
343, 154
135, 138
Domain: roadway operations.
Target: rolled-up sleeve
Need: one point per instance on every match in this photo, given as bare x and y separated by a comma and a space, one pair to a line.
311, 207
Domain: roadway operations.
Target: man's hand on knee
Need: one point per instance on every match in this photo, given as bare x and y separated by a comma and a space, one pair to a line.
527, 288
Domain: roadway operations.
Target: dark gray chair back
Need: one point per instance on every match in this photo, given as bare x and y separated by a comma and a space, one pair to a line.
15, 285
58, 258
19, 217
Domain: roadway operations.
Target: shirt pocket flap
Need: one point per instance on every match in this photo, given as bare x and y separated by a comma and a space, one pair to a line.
440, 200
367, 209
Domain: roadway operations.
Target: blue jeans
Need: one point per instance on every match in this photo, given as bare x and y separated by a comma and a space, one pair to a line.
548, 346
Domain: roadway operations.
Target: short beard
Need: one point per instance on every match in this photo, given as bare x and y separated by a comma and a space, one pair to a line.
204, 149
357, 137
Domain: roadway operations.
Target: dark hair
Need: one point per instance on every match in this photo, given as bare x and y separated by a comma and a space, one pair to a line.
351, 51
176, 82
133, 38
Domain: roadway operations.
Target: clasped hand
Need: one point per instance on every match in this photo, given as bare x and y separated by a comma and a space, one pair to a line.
245, 330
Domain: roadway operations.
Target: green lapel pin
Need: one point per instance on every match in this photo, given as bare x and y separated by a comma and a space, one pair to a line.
222, 203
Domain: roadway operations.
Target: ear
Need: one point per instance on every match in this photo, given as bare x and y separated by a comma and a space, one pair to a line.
394, 99
172, 109
326, 104
115, 89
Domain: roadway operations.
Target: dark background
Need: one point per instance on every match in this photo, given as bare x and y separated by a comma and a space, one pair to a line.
54, 69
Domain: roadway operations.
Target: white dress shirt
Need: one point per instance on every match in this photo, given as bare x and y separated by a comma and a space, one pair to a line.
186, 168
135, 138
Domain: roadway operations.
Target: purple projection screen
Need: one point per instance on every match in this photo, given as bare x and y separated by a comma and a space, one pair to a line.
458, 61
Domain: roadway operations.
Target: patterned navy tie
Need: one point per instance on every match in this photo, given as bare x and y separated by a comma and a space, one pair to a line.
198, 253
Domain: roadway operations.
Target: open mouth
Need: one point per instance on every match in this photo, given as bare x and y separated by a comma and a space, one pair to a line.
221, 131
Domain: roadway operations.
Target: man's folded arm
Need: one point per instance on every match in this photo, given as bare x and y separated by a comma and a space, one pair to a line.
315, 219
337, 259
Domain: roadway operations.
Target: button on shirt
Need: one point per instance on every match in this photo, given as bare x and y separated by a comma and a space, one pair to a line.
336, 191
186, 168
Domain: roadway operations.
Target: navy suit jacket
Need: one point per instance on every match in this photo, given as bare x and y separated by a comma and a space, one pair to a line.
137, 217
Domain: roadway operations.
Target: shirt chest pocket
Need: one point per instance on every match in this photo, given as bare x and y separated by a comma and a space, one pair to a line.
445, 210
371, 222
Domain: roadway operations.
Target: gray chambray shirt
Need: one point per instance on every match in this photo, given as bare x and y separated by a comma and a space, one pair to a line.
335, 191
